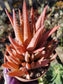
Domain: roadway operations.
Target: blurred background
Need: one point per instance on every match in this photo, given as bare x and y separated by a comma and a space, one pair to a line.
54, 17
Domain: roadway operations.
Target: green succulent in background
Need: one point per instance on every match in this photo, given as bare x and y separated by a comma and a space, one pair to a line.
54, 75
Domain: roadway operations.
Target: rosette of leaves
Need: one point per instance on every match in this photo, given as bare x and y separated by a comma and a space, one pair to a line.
31, 49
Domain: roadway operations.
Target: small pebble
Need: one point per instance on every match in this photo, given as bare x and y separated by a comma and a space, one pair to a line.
38, 74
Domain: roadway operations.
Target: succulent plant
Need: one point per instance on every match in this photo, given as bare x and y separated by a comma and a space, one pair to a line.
31, 49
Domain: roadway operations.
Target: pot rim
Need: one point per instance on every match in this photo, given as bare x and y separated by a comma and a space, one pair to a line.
27, 80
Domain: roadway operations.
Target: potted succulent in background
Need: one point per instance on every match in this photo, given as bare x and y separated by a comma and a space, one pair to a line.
28, 56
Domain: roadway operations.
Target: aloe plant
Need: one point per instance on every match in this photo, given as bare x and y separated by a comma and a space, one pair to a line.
31, 49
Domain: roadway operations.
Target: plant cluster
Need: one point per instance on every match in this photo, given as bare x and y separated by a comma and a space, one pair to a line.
31, 49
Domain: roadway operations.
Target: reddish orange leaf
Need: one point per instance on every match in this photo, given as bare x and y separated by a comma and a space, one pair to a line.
33, 29
7, 66
55, 55
8, 58
27, 57
39, 50
15, 60
18, 72
34, 40
10, 18
21, 22
13, 65
27, 33
17, 29
41, 19
19, 48
28, 65
21, 57
41, 63
46, 35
